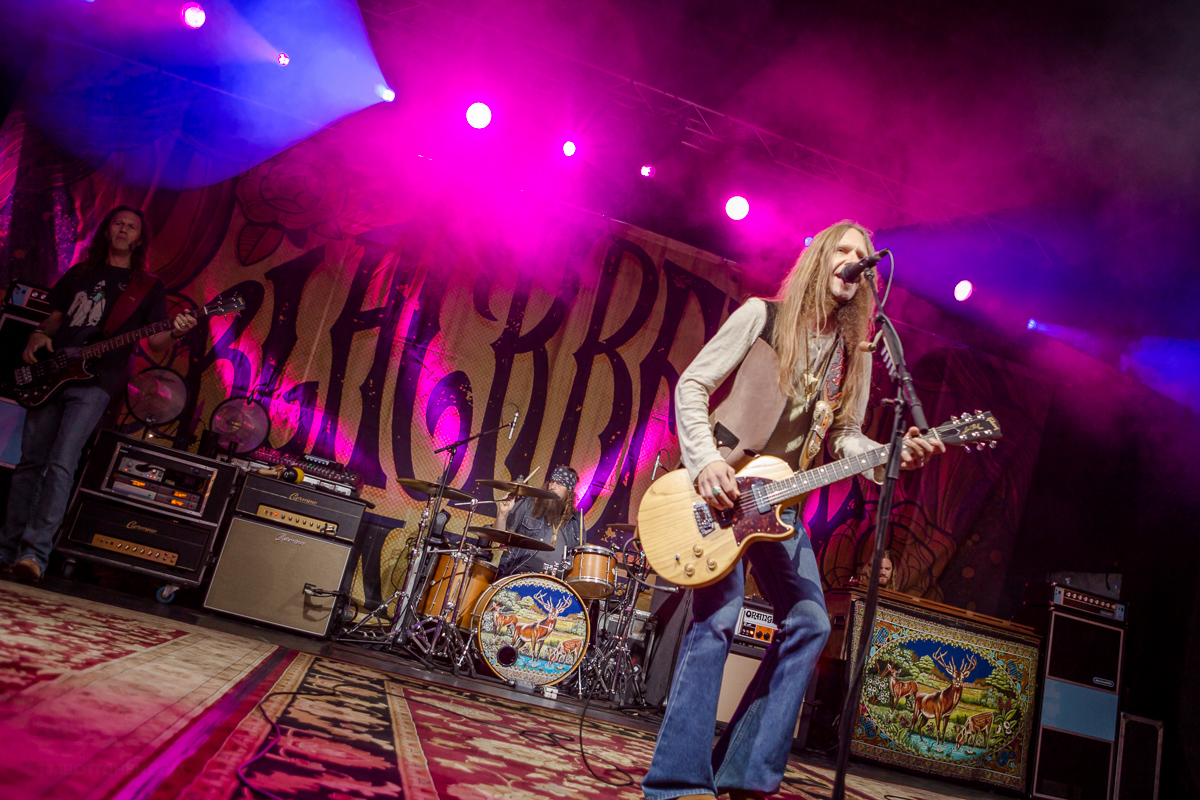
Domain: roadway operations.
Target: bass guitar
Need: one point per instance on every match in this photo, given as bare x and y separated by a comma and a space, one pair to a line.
692, 544
34, 384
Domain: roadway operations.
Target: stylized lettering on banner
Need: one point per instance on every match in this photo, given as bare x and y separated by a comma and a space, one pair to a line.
617, 427
288, 281
656, 369
223, 350
423, 327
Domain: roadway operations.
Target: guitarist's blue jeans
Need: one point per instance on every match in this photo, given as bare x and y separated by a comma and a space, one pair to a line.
51, 441
753, 750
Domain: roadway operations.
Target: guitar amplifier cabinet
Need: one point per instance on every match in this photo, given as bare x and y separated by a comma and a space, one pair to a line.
148, 509
264, 569
140, 540
1139, 758
300, 507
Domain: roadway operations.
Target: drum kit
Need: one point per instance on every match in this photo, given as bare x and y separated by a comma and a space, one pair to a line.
529, 629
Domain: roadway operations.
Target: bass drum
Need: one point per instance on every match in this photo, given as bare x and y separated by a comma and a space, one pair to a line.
532, 628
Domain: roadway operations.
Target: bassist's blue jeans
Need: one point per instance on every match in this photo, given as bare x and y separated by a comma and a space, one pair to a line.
51, 441
753, 750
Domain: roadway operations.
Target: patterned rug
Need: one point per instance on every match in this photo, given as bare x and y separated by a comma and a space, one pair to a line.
102, 703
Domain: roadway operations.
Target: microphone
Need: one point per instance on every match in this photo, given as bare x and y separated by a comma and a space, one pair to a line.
852, 272
516, 414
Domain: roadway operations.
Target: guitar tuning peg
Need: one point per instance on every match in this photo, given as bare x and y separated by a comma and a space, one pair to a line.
954, 419
978, 413
992, 445
967, 448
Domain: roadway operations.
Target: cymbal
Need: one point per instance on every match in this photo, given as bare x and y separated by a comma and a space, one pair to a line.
623, 527
431, 488
519, 489
509, 538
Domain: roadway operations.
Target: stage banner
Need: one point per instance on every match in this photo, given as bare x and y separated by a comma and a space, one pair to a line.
946, 697
386, 320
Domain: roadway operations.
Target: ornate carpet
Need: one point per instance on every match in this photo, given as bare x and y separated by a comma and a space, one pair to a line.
102, 703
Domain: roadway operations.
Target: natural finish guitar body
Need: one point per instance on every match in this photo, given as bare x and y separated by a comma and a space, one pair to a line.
686, 556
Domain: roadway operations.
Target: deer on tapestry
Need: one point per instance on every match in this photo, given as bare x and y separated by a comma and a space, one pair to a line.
938, 705
566, 648
536, 632
899, 689
502, 621
975, 725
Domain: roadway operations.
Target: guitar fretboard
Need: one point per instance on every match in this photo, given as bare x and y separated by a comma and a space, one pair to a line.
802, 482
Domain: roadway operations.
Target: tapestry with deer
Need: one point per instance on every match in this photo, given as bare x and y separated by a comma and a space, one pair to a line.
941, 699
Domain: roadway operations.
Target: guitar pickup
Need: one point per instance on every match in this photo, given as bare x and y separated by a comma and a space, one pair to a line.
704, 519
758, 492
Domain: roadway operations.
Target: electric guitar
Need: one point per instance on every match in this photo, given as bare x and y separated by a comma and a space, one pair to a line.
34, 384
692, 544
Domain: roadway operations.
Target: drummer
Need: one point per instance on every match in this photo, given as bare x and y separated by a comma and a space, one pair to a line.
553, 520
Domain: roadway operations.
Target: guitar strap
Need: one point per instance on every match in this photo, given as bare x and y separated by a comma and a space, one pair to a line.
827, 405
128, 302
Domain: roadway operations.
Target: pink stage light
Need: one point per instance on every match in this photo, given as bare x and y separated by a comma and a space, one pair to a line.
963, 290
479, 115
569, 149
648, 170
192, 14
386, 94
283, 59
737, 207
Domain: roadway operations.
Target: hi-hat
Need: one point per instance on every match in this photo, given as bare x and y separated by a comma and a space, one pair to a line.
519, 489
431, 488
509, 538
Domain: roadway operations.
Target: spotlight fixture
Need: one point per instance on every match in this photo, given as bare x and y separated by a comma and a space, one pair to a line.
1032, 324
807, 240
283, 59
192, 14
963, 290
479, 115
648, 170
386, 94
569, 149
737, 207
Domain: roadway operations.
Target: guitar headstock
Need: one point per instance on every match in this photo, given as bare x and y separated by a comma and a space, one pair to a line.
980, 428
220, 306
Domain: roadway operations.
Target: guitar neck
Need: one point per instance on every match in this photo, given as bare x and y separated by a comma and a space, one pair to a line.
133, 337
803, 482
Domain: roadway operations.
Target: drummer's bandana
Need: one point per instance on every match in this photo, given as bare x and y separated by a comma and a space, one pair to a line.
564, 475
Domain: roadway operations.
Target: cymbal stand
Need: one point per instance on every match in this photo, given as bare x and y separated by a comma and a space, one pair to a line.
404, 589
612, 668
439, 636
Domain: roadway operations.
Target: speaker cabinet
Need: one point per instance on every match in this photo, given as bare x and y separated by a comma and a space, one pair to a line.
1077, 725
1139, 759
264, 569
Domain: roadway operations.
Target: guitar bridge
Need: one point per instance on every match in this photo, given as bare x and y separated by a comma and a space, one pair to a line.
23, 375
704, 519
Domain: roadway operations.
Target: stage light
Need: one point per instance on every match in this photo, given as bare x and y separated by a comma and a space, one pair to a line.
385, 93
963, 290
192, 14
737, 207
479, 115
807, 240
569, 149
648, 170
283, 59
1032, 324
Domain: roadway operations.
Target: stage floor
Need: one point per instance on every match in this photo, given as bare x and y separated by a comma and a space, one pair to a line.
109, 694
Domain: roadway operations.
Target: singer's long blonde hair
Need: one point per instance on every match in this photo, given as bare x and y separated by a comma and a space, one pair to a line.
805, 303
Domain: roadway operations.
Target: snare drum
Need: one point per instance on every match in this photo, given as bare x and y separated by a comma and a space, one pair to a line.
531, 628
480, 577
593, 571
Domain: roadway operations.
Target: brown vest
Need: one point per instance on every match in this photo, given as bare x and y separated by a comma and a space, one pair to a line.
746, 418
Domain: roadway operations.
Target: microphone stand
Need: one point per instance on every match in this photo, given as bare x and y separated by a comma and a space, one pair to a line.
905, 403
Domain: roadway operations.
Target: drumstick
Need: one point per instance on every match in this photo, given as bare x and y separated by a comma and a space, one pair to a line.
530, 475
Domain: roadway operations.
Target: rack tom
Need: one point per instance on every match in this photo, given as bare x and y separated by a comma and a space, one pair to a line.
593, 571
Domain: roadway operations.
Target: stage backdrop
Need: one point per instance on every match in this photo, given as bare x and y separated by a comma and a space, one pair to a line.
384, 321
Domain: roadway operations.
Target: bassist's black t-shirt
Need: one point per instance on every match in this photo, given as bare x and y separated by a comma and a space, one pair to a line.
86, 300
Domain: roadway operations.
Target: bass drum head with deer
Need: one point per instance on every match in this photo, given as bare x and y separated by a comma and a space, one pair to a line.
532, 628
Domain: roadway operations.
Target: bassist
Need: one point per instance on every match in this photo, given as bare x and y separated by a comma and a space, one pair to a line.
112, 279
801, 381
